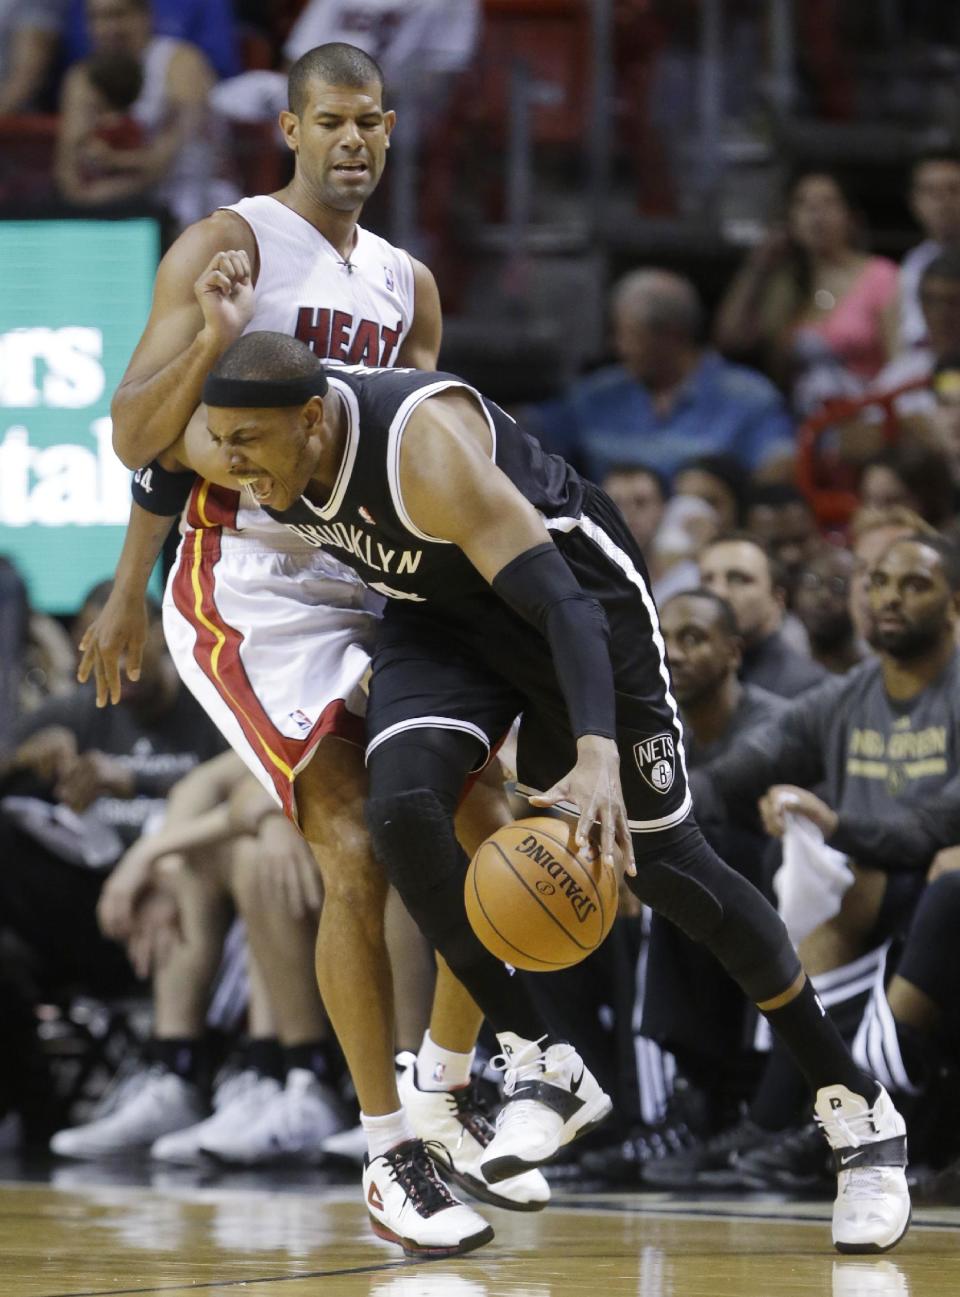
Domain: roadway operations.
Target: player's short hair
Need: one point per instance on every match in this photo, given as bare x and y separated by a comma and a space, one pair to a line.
947, 551
725, 614
264, 356
335, 64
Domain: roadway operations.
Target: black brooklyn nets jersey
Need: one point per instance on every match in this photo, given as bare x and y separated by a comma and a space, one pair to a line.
364, 522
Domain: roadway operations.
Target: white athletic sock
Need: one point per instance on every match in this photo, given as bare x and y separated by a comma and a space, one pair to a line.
442, 1069
386, 1132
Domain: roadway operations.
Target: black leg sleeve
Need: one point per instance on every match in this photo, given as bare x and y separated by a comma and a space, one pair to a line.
680, 876
416, 779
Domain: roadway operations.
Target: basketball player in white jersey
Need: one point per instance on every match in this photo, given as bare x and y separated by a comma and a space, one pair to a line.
276, 662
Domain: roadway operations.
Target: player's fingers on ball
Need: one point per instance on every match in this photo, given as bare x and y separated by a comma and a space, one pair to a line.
625, 842
550, 797
608, 829
585, 825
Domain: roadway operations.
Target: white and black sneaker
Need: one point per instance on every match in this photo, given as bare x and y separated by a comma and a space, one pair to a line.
457, 1132
409, 1204
872, 1208
551, 1099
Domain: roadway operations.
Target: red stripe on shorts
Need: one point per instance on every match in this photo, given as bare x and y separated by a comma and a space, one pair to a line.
217, 652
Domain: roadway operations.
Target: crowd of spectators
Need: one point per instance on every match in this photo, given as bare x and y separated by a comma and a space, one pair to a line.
814, 661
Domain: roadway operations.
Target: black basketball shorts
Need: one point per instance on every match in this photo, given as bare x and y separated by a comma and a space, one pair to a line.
471, 664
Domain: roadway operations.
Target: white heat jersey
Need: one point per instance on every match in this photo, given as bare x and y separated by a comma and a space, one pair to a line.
355, 312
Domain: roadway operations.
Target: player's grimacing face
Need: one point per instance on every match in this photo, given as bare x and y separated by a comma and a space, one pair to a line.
271, 452
341, 137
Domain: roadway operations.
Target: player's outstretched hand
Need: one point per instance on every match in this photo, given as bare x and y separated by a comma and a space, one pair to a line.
593, 786
116, 634
783, 798
225, 294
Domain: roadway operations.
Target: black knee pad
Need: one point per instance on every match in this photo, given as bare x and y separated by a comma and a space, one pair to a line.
678, 896
413, 836
414, 839
681, 877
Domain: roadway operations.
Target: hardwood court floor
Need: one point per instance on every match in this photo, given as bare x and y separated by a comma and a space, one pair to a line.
80, 1240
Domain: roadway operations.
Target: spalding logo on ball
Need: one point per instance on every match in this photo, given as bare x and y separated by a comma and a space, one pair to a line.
533, 901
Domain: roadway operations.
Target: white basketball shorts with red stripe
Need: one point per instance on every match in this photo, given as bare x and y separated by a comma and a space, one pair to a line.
274, 644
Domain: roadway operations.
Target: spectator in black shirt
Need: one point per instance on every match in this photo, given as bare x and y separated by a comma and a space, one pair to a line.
738, 568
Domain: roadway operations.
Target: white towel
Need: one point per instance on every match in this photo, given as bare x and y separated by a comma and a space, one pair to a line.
811, 882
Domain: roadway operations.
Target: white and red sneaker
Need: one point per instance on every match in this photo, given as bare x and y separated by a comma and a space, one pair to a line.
551, 1100
409, 1204
872, 1208
457, 1132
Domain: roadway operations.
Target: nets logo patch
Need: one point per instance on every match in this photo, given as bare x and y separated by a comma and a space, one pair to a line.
656, 760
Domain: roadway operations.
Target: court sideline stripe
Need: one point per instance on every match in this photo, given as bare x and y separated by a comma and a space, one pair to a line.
189, 1286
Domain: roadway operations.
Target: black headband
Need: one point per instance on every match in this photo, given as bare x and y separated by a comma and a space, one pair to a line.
262, 393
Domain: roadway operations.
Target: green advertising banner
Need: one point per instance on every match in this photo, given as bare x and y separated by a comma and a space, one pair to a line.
74, 297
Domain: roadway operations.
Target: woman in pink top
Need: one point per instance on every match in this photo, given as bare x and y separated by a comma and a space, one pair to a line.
819, 308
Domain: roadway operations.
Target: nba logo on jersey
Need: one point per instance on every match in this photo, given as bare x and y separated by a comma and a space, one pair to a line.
302, 720
656, 761
391, 286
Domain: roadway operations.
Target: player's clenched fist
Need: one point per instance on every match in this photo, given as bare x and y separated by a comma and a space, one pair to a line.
225, 294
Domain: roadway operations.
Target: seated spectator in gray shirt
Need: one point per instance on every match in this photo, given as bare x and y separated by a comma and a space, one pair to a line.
884, 736
740, 570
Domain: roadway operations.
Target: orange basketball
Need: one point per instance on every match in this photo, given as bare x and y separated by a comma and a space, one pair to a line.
533, 902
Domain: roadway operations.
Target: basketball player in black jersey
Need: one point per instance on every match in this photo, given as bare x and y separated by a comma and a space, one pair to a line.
514, 586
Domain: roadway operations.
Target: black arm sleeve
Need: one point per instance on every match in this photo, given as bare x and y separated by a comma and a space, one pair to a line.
539, 586
160, 491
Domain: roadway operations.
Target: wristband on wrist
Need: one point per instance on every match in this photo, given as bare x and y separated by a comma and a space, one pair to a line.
160, 491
